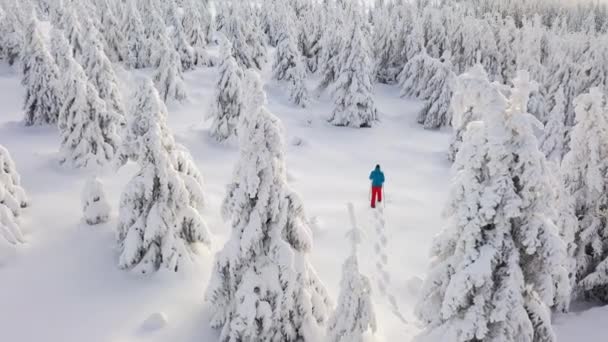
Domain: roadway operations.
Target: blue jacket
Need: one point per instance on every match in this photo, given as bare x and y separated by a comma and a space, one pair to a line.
377, 177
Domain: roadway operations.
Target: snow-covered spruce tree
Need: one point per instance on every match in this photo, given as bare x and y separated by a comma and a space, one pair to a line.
40, 75
438, 94
13, 195
435, 35
564, 74
158, 226
507, 43
332, 45
61, 50
116, 44
263, 288
247, 39
472, 95
290, 68
101, 74
311, 34
206, 18
499, 265
354, 320
229, 98
187, 54
95, 206
194, 30
87, 127
11, 37
567, 224
385, 43
429, 79
73, 31
12, 200
353, 90
168, 77
136, 54
585, 168
416, 74
553, 140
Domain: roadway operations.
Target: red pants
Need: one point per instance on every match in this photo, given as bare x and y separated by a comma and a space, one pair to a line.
376, 194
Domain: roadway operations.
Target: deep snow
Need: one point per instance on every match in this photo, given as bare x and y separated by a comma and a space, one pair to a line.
64, 284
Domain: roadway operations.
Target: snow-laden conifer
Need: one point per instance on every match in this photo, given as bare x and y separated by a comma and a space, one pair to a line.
40, 79
12, 201
473, 95
290, 68
553, 141
263, 287
73, 31
14, 196
11, 37
229, 97
192, 24
585, 168
499, 265
100, 72
352, 92
159, 224
61, 50
246, 37
88, 129
111, 29
168, 77
429, 79
95, 206
354, 320
136, 54
567, 225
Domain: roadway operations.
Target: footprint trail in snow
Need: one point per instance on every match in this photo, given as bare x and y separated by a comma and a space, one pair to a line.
383, 278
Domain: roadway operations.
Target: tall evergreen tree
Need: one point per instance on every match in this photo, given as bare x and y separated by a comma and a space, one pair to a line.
263, 288
554, 136
159, 223
101, 74
40, 78
290, 68
585, 168
246, 37
229, 97
500, 263
168, 77
353, 90
87, 127
136, 54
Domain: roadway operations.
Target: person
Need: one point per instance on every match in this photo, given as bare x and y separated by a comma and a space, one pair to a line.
377, 178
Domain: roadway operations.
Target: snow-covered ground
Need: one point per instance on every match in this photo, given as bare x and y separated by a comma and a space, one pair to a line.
64, 285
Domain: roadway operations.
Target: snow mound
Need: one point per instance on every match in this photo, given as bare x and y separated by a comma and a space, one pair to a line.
155, 322
297, 141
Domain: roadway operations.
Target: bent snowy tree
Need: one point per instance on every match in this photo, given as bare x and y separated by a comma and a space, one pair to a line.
159, 223
263, 287
430, 80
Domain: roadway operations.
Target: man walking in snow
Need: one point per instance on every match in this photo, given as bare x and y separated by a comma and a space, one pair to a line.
377, 178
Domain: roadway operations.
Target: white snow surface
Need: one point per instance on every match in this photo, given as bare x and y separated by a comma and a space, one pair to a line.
64, 284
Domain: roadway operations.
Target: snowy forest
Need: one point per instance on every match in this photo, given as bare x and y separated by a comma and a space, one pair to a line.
197, 170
